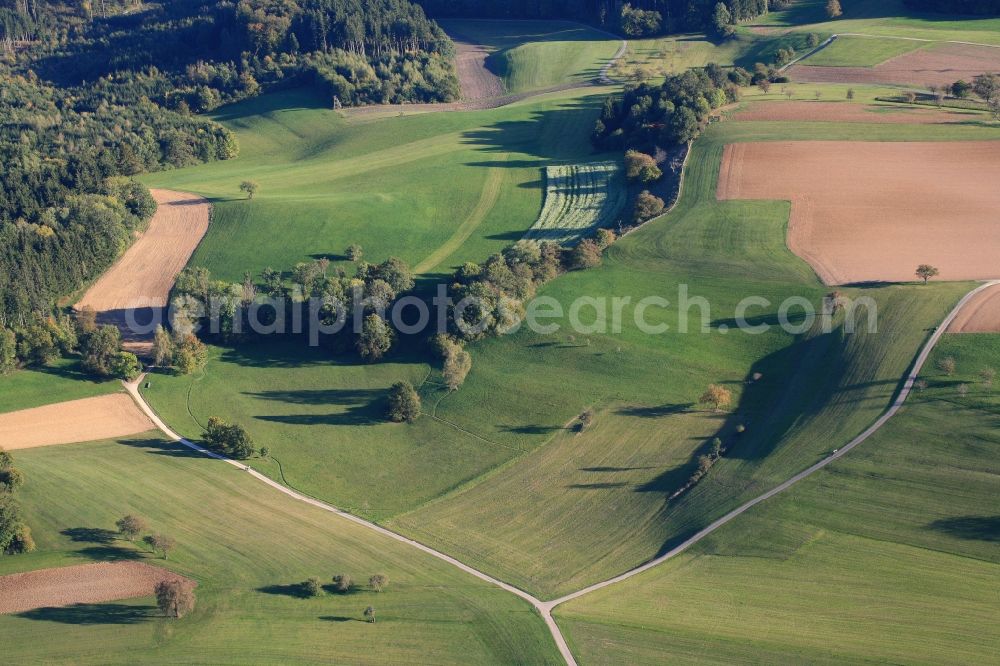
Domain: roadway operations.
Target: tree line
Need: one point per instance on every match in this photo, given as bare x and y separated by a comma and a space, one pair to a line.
638, 18
15, 535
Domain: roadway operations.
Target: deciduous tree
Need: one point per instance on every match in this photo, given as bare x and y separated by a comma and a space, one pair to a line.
718, 397
404, 403
925, 272
250, 188
175, 597
131, 526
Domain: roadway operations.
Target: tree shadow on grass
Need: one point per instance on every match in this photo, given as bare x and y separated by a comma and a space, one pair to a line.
655, 411
162, 447
978, 528
296, 590
360, 406
338, 618
89, 534
109, 553
92, 614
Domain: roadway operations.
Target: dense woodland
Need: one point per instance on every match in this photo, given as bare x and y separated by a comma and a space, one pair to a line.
636, 18
95, 92
652, 117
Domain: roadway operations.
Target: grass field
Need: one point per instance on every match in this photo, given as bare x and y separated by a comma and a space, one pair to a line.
861, 52
247, 547
322, 419
886, 18
822, 389
62, 380
888, 555
531, 55
326, 182
579, 198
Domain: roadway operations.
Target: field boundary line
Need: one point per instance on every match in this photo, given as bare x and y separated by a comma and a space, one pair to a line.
896, 405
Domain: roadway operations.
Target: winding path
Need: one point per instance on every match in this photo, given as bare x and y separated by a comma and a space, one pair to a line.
545, 608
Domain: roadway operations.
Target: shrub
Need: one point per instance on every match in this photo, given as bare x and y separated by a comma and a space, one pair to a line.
647, 206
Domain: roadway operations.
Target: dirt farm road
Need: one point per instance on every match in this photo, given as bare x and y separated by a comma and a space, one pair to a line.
545, 608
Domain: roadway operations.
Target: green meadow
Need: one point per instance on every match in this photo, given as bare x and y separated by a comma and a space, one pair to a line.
885, 18
887, 555
60, 381
476, 450
404, 186
247, 547
533, 55
861, 52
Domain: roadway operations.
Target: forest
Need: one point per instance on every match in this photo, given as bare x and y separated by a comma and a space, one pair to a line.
651, 118
93, 93
637, 18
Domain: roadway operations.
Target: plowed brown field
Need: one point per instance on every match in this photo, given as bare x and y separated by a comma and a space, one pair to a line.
867, 211
981, 315
86, 420
83, 584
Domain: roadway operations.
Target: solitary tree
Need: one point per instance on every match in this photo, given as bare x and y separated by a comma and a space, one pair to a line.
947, 365
250, 187
354, 252
404, 403
311, 587
987, 375
161, 543
764, 85
850, 93
378, 582
833, 9
228, 438
370, 614
586, 419
925, 272
717, 397
175, 597
343, 583
130, 526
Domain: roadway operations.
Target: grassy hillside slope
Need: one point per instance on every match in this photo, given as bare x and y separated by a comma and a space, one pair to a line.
532, 55
246, 546
597, 504
887, 555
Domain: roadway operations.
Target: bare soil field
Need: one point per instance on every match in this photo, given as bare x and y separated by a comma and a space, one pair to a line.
870, 211
846, 112
938, 65
981, 315
141, 280
83, 584
86, 420
477, 82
